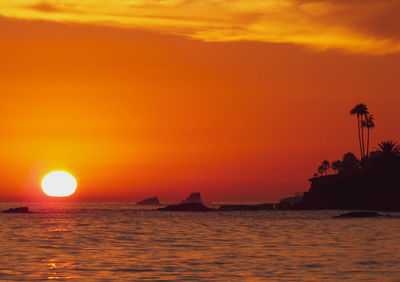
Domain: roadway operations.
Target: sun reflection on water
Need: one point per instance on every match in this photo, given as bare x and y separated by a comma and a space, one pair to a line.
58, 270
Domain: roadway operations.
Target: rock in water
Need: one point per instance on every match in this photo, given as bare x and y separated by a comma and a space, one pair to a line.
358, 214
261, 207
187, 207
193, 198
149, 202
17, 210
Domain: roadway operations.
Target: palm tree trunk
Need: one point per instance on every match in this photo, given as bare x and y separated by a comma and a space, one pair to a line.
362, 140
359, 135
368, 143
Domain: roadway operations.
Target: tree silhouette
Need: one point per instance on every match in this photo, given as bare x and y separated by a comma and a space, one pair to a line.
321, 169
326, 165
389, 149
350, 163
369, 124
360, 110
337, 166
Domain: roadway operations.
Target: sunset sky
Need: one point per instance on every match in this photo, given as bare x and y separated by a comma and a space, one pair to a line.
239, 100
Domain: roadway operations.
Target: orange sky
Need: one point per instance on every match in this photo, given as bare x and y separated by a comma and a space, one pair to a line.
141, 108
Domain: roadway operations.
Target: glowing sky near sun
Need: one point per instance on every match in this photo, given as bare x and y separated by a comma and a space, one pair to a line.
356, 26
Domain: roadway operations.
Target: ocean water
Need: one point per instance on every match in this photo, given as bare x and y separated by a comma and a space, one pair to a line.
119, 242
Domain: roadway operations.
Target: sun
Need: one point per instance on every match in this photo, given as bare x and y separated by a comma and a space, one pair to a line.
59, 184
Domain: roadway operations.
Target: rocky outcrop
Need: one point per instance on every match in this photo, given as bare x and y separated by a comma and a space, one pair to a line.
361, 190
149, 202
192, 207
193, 198
17, 210
358, 214
261, 207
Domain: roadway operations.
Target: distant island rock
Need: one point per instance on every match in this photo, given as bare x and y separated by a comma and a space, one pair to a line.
358, 214
154, 201
193, 198
195, 207
17, 210
260, 207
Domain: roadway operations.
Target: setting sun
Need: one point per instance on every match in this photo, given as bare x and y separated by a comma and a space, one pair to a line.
59, 184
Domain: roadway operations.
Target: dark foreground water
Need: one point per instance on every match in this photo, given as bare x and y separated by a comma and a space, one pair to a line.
119, 242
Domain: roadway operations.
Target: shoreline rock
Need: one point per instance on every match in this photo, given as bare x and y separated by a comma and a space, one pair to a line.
17, 210
195, 207
258, 207
359, 214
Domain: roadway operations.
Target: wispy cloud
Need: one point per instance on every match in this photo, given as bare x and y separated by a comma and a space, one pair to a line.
361, 26
44, 7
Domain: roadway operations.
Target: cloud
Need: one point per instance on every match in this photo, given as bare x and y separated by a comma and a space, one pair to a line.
359, 26
44, 7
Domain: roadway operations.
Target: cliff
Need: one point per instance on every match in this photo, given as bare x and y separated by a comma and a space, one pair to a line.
373, 190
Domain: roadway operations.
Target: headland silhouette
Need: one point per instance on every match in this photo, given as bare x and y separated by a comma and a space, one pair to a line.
371, 182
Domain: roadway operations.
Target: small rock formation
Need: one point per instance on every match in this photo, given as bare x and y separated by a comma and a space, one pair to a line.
187, 207
149, 202
193, 198
17, 210
261, 207
358, 214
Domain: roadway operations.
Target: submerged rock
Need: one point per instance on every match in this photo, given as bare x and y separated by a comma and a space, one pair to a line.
193, 198
149, 202
186, 207
358, 214
17, 210
261, 207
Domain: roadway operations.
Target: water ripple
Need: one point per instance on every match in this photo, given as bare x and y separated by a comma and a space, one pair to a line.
117, 242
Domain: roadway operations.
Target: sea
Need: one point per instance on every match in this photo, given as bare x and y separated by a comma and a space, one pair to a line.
123, 242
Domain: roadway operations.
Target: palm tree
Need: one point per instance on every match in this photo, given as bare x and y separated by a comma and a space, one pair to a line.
360, 110
321, 170
369, 124
326, 165
389, 149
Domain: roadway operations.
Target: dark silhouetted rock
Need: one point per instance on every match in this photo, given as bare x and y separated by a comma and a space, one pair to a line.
261, 207
186, 207
149, 202
288, 203
17, 210
374, 185
358, 214
193, 198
